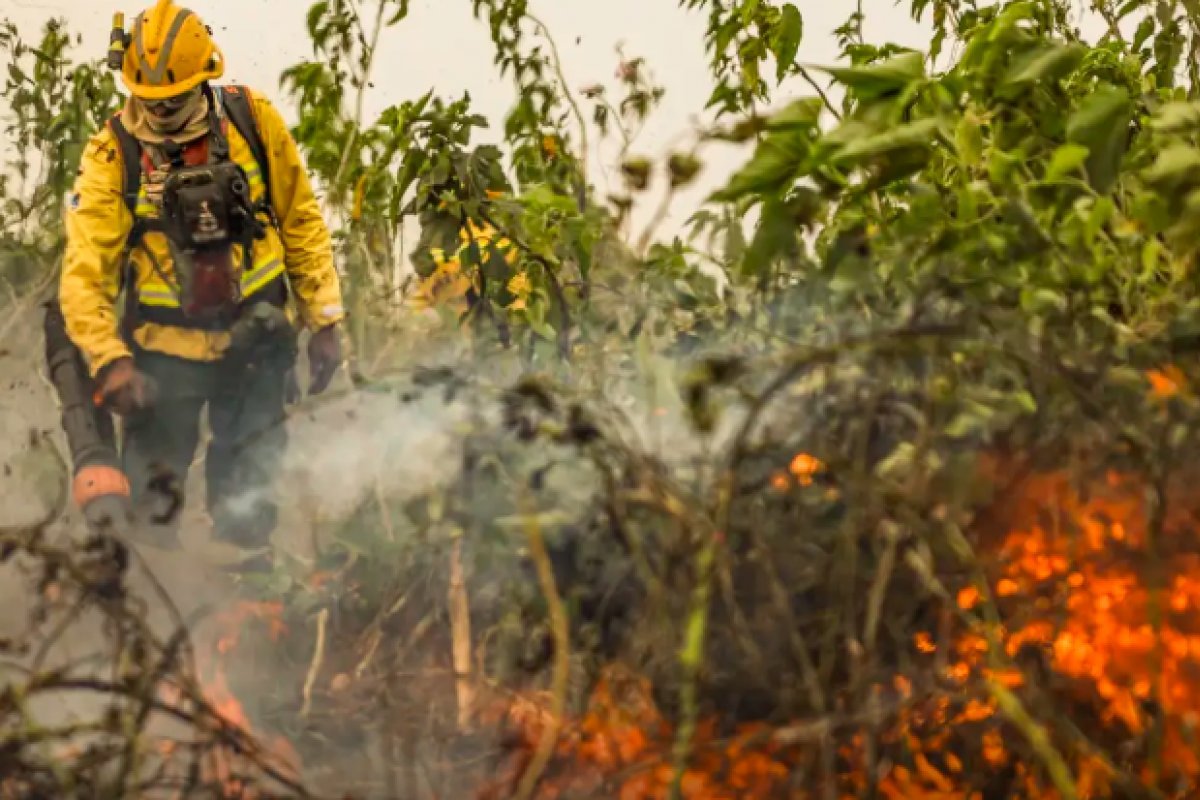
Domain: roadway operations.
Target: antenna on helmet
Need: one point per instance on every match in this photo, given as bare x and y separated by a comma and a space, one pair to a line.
118, 40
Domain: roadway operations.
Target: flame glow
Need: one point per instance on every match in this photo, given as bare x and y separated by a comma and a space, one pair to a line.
1090, 589
1090, 597
231, 625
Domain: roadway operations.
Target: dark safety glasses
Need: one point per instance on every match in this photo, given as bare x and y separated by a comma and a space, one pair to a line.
170, 105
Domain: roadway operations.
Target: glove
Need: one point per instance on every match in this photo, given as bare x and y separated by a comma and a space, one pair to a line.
324, 357
123, 389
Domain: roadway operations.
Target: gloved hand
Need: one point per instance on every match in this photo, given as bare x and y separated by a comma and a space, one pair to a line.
324, 357
123, 389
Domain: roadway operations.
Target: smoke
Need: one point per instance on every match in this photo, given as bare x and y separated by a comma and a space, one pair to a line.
401, 437
363, 443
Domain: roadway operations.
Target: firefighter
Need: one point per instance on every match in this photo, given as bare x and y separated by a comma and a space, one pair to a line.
195, 252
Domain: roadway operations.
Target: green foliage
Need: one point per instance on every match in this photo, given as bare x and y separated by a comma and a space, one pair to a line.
742, 36
983, 245
52, 105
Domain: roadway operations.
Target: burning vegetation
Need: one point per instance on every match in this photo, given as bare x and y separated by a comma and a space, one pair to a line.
1046, 651
904, 508
1036, 640
1076, 626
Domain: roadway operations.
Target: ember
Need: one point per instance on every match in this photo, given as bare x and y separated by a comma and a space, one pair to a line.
621, 747
1080, 619
1092, 624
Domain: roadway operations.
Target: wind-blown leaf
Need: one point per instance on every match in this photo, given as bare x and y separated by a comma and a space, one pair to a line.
776, 232
315, 13
1066, 159
1047, 63
1177, 117
1174, 165
775, 161
886, 77
1101, 124
913, 134
802, 113
968, 138
401, 12
1144, 31
787, 39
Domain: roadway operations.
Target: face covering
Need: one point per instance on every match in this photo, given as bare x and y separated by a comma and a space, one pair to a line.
188, 122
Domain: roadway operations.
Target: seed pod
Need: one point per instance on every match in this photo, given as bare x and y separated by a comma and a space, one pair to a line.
683, 168
637, 172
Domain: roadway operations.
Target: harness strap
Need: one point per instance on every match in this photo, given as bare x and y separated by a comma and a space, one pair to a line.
131, 162
226, 104
235, 104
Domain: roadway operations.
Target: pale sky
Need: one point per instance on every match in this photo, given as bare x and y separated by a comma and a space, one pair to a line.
441, 45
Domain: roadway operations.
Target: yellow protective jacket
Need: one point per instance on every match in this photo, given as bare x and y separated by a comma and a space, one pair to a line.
448, 284
98, 224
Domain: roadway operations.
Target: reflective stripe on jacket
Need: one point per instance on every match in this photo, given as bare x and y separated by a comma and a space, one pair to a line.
98, 222
153, 292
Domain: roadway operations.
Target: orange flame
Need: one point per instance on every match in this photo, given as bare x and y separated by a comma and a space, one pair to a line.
1074, 576
231, 625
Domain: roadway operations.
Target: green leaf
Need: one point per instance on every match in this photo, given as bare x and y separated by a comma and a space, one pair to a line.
1040, 300
1101, 123
315, 12
1144, 31
884, 78
1042, 64
920, 133
401, 12
899, 464
1066, 159
775, 161
552, 518
1151, 252
1174, 165
775, 234
788, 35
968, 138
803, 113
972, 422
1177, 117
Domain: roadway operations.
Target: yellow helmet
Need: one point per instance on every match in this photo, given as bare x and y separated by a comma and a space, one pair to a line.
170, 52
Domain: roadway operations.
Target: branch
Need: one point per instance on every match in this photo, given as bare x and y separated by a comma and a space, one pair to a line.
562, 644
314, 668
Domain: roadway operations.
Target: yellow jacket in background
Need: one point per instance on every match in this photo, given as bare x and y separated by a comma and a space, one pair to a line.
448, 284
98, 222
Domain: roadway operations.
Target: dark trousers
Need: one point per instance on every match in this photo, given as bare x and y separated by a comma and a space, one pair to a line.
245, 414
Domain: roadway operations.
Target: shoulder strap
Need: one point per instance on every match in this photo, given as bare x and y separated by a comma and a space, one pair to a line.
131, 162
130, 150
235, 100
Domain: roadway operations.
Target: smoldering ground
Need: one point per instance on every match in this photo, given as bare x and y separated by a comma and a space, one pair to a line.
381, 481
399, 438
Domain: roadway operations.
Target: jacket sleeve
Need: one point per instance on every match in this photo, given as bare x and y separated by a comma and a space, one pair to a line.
97, 223
306, 240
